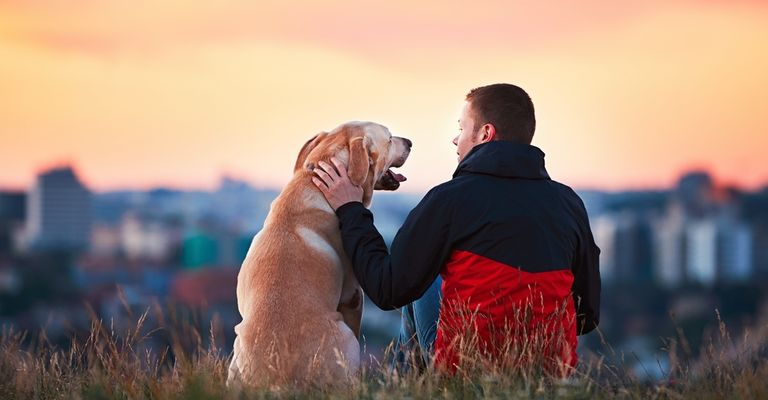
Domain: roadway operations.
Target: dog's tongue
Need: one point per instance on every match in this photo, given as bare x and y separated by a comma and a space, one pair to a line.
396, 176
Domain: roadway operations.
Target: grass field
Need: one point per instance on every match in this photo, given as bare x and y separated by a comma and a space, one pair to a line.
112, 364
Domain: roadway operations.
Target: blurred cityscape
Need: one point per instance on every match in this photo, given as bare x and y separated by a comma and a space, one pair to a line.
68, 255
670, 258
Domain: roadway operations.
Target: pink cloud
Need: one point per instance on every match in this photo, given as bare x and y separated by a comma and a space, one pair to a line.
399, 26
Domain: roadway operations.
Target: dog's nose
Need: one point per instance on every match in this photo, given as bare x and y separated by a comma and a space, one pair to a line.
408, 143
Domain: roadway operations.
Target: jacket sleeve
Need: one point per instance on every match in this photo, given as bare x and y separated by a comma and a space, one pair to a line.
586, 272
419, 251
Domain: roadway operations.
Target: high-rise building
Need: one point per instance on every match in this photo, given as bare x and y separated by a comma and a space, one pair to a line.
58, 211
670, 244
702, 254
719, 250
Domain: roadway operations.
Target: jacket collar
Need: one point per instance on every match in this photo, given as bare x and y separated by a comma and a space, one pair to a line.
504, 159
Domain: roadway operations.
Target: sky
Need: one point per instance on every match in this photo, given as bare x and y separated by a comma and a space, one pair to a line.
139, 94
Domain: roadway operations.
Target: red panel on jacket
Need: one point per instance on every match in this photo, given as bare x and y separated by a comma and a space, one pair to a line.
514, 317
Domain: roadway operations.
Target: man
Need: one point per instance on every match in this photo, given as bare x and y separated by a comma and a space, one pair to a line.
518, 262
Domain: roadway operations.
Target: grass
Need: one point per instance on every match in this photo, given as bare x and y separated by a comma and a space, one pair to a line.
114, 363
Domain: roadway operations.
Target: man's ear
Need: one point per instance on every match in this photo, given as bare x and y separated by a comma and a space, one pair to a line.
308, 147
358, 160
489, 133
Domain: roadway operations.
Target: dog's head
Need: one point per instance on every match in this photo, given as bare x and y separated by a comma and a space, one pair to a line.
367, 149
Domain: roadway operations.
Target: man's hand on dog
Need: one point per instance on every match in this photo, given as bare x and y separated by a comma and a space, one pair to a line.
335, 184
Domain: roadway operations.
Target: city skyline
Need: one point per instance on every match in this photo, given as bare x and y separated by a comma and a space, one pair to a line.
673, 179
627, 95
695, 232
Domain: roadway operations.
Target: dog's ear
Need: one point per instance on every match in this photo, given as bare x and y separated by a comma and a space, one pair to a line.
308, 147
359, 161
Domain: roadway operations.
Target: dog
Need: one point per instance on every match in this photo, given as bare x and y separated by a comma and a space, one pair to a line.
296, 292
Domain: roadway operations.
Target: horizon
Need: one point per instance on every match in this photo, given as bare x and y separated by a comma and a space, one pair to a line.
718, 183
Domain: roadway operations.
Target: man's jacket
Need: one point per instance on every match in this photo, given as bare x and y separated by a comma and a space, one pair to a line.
514, 248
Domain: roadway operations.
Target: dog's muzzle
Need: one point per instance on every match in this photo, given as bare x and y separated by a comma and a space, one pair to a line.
391, 180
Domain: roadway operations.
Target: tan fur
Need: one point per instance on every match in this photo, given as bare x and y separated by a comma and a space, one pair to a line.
299, 299
358, 160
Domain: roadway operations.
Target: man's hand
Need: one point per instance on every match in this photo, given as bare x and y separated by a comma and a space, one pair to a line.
335, 184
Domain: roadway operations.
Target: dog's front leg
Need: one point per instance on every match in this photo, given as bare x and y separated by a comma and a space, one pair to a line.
351, 301
352, 310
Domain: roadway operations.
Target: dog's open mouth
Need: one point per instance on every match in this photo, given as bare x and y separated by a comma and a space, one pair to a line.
390, 181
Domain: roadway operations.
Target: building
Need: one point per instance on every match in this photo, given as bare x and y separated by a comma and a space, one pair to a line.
670, 249
58, 211
702, 257
147, 239
696, 193
754, 213
625, 241
604, 231
12, 206
734, 246
12, 214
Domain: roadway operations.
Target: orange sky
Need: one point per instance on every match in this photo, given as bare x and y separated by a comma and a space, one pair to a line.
137, 94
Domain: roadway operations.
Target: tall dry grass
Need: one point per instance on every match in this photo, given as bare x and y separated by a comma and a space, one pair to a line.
113, 362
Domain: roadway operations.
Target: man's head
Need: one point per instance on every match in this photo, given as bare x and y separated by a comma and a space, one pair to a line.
495, 112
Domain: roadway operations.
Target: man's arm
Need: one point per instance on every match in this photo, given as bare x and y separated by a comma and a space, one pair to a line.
419, 250
586, 284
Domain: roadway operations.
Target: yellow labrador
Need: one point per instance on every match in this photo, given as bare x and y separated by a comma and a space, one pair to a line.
299, 299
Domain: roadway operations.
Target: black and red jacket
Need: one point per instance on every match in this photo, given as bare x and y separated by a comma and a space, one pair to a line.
504, 236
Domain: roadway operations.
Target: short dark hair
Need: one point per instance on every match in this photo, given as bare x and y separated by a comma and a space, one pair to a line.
507, 107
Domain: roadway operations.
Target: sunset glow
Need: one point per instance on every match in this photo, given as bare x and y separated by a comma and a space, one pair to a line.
139, 94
